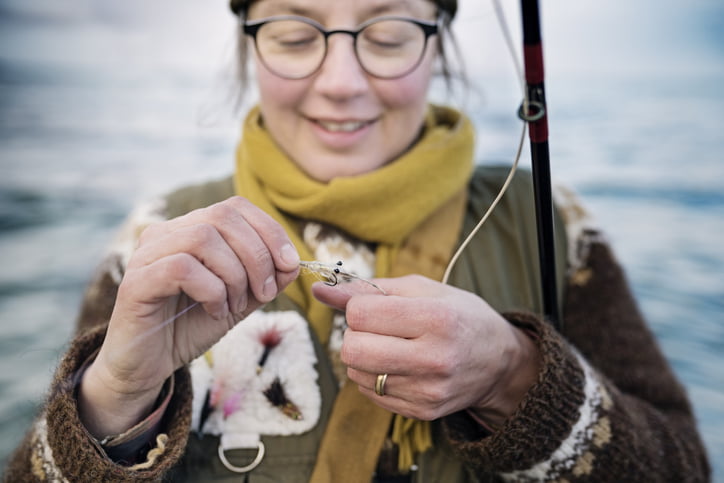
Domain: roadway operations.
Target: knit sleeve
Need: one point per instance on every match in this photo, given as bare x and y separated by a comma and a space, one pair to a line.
57, 443
606, 404
59, 448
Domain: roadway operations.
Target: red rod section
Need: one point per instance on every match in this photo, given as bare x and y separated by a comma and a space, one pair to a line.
537, 119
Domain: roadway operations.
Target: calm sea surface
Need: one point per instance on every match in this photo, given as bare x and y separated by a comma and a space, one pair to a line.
103, 105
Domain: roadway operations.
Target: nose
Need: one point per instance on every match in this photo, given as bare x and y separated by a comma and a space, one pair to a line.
341, 76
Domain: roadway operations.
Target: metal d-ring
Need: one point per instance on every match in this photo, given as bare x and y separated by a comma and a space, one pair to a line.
536, 110
247, 468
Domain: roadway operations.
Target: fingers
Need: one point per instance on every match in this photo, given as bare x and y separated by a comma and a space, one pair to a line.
236, 241
161, 258
421, 372
427, 338
406, 316
396, 316
418, 397
260, 243
375, 353
171, 275
331, 295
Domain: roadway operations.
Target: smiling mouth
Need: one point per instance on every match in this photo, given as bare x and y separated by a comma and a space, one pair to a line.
346, 126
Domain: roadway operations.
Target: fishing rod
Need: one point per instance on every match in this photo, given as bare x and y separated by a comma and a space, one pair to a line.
533, 111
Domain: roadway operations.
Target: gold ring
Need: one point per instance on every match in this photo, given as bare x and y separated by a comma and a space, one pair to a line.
380, 384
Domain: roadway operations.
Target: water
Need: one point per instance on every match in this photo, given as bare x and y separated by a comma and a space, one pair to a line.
104, 104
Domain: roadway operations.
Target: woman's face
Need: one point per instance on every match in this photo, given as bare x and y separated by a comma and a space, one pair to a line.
341, 121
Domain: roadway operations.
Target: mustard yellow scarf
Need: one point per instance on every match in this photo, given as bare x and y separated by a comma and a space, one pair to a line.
410, 208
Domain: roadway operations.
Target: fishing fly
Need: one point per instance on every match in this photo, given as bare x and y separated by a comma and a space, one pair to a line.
333, 274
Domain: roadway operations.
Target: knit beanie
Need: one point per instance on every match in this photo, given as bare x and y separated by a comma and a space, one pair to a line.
239, 7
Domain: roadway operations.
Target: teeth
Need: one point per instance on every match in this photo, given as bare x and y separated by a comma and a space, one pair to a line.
348, 126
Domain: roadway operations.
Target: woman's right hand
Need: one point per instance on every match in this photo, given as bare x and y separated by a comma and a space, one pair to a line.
230, 257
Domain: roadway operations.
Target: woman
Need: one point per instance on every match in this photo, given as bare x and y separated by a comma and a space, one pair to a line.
402, 378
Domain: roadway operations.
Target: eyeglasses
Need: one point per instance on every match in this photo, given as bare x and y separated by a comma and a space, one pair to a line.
294, 47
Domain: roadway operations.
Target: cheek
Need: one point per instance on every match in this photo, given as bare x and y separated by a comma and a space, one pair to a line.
403, 94
405, 101
275, 93
409, 92
269, 85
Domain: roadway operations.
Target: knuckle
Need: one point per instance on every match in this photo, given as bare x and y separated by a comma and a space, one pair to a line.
443, 364
432, 396
222, 211
149, 232
355, 313
235, 206
239, 201
180, 266
261, 256
350, 353
202, 234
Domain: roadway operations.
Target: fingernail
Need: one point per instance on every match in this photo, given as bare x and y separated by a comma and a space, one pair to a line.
289, 255
270, 288
241, 306
222, 313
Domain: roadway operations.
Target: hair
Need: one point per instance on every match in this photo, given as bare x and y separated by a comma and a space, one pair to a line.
447, 10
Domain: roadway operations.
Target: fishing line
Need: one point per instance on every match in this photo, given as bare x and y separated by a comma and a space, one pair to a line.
160, 326
519, 74
508, 38
73, 381
487, 214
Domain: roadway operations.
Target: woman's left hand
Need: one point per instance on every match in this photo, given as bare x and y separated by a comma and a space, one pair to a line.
443, 349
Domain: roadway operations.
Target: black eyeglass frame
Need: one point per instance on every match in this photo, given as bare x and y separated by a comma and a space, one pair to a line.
429, 28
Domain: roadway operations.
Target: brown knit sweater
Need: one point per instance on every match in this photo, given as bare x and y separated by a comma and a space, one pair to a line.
606, 407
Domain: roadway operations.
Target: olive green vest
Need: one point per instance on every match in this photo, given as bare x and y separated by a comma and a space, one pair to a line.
500, 264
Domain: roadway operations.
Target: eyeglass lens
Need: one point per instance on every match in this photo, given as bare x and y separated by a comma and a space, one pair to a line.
295, 49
